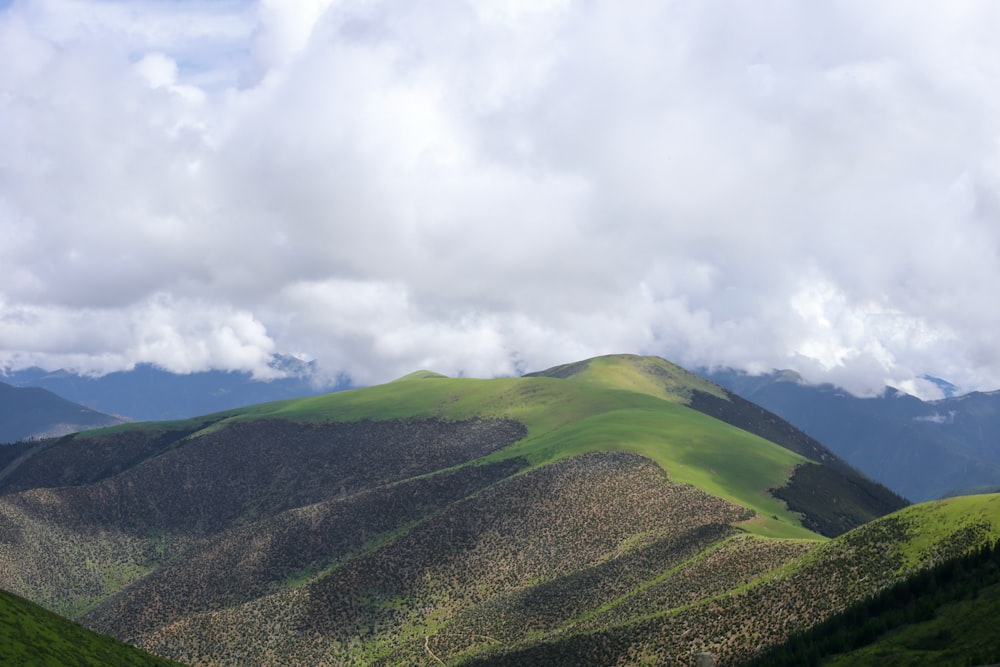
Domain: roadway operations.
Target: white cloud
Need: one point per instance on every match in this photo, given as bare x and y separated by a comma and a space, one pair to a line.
285, 27
181, 335
489, 188
937, 418
160, 71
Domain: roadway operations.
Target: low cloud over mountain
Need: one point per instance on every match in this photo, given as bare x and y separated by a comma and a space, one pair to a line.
487, 188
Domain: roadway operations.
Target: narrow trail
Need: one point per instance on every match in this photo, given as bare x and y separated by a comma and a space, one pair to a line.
427, 647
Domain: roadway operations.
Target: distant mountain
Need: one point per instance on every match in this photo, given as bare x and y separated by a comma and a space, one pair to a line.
148, 393
920, 449
584, 515
38, 413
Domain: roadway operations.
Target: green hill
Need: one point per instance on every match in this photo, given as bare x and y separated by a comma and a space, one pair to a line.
874, 571
948, 614
33, 637
645, 375
619, 402
434, 520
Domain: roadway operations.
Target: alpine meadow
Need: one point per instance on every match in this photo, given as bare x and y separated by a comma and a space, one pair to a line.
584, 515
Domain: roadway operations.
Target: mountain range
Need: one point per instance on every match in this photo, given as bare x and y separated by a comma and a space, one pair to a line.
920, 449
150, 393
32, 412
618, 510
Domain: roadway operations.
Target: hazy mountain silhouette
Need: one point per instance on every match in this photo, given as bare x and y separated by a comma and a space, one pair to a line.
920, 449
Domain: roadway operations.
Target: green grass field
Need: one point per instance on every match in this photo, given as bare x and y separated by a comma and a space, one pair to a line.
940, 519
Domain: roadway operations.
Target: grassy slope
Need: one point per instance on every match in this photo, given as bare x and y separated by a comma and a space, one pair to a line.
948, 519
645, 375
32, 636
598, 413
597, 539
739, 621
918, 536
962, 629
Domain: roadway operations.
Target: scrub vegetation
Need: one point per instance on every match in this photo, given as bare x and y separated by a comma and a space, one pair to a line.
585, 516
948, 614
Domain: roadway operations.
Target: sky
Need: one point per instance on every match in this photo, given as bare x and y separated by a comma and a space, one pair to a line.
489, 187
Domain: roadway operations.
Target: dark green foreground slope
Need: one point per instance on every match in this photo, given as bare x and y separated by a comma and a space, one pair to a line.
33, 637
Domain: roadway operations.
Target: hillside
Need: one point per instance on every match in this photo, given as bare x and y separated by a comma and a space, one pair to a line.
830, 578
921, 449
947, 615
430, 520
32, 636
37, 413
825, 489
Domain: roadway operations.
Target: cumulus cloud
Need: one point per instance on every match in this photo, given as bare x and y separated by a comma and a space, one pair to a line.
486, 188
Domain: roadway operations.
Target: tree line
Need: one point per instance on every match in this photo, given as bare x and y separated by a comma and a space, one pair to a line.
915, 600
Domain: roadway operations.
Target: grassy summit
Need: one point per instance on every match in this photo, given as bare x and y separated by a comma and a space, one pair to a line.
645, 375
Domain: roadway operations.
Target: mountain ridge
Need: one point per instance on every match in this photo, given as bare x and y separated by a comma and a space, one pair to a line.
920, 449
388, 524
150, 393
33, 413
